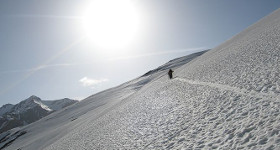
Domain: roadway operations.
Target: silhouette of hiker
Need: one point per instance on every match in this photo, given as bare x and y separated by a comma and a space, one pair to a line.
170, 73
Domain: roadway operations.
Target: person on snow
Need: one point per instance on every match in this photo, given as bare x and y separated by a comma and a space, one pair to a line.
170, 73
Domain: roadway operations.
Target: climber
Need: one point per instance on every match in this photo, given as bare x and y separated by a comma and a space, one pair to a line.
170, 73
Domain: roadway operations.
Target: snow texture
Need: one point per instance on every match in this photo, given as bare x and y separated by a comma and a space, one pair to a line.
227, 98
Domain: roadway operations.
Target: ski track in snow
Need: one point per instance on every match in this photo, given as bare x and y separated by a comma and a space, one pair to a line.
230, 88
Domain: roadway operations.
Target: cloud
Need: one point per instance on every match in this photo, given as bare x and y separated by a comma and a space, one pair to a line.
89, 82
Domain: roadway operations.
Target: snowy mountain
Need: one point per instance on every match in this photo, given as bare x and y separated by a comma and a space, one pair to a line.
226, 98
57, 124
5, 108
28, 111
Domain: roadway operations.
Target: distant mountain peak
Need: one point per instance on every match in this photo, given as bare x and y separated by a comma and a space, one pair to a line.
34, 97
31, 99
28, 111
7, 105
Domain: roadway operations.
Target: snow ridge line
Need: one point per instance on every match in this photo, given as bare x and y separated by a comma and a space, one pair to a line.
230, 88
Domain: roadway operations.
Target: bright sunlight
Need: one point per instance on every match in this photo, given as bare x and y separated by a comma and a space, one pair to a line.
112, 24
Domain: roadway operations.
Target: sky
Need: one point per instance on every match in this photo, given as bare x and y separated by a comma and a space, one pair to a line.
54, 49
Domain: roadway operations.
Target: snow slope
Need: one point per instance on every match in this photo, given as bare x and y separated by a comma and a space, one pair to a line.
227, 98
51, 128
55, 105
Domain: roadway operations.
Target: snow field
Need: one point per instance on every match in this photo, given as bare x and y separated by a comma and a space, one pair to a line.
178, 115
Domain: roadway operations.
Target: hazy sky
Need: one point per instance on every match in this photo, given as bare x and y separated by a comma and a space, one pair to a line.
44, 50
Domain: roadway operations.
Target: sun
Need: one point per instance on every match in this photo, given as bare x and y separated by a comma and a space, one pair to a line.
111, 24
